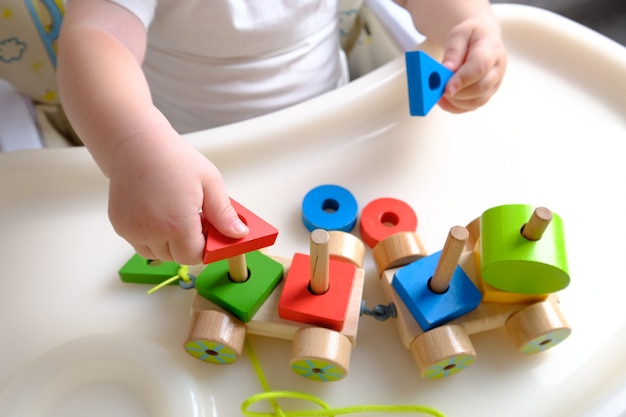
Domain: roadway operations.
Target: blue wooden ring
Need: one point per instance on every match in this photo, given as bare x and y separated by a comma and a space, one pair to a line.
329, 207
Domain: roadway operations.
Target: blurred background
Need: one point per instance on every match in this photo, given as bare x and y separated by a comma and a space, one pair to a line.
605, 16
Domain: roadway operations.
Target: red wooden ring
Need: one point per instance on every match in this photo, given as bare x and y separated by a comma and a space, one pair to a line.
384, 217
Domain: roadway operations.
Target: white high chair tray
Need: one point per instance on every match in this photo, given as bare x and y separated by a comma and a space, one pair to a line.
77, 341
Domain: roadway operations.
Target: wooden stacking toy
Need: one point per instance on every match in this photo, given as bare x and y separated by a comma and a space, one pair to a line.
435, 289
522, 250
440, 349
319, 291
501, 270
313, 300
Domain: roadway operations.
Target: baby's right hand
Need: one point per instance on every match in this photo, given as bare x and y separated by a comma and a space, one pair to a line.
157, 195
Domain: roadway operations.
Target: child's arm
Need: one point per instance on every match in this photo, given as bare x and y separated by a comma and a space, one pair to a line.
158, 183
473, 47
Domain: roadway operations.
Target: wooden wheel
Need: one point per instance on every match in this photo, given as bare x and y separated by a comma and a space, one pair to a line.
320, 354
398, 250
346, 247
442, 351
473, 228
216, 337
538, 327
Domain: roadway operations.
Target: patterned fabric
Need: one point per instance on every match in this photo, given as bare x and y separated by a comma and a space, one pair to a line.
28, 44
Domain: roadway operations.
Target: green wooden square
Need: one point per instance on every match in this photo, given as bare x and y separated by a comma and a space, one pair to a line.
242, 299
139, 270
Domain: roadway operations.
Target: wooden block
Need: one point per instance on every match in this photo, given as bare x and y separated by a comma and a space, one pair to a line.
429, 308
473, 228
346, 247
494, 295
407, 326
511, 262
398, 250
328, 310
351, 323
266, 322
139, 270
426, 81
242, 299
487, 316
470, 263
219, 247
329, 207
384, 217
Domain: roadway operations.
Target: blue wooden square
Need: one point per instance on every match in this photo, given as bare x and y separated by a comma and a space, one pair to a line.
430, 309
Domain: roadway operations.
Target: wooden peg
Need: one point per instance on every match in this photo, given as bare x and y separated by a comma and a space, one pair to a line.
320, 256
450, 255
317, 287
241, 299
238, 268
539, 221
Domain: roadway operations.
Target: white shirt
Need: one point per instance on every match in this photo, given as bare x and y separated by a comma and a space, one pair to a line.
213, 62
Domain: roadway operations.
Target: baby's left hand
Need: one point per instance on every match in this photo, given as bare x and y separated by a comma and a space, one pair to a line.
474, 50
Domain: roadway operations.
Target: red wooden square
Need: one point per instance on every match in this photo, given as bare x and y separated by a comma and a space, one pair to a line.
328, 310
218, 246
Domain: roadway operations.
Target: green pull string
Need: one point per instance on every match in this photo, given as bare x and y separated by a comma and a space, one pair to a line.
325, 411
182, 274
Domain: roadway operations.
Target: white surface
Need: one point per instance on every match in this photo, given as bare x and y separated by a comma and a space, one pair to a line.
553, 136
103, 375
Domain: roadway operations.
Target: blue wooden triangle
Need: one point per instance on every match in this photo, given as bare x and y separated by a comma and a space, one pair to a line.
426, 79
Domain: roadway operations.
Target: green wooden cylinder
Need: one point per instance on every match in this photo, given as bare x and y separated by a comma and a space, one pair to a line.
512, 263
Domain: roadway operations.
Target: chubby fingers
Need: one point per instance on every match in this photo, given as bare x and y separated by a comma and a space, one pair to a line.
185, 239
471, 96
183, 243
221, 214
178, 233
479, 62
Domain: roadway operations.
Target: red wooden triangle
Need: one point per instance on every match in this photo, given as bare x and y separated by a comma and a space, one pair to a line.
218, 246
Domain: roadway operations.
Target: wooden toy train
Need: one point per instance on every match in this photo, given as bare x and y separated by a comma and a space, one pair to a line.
501, 270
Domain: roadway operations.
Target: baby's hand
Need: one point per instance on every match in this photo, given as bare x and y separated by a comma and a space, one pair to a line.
155, 197
475, 51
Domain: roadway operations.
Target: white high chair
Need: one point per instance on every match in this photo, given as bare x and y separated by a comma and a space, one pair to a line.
372, 33
18, 129
30, 113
